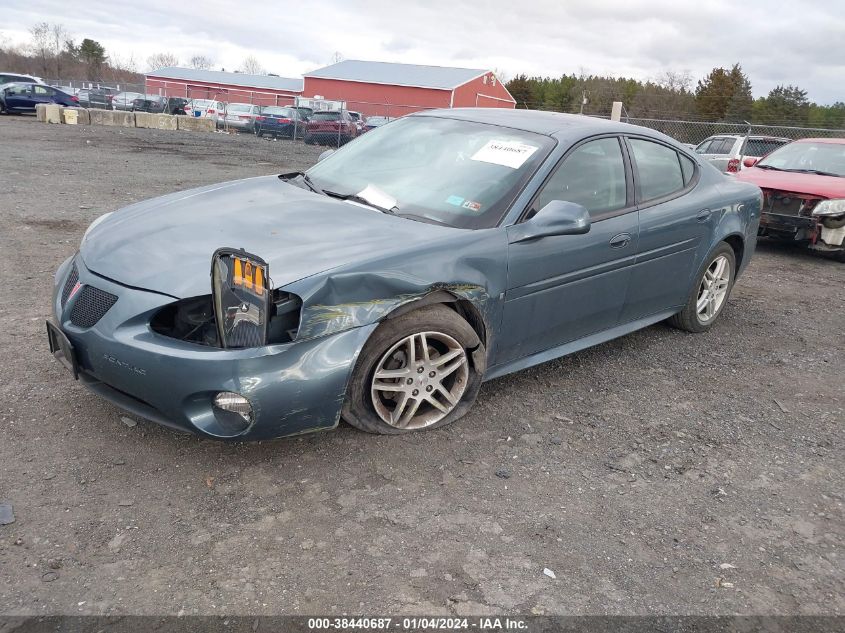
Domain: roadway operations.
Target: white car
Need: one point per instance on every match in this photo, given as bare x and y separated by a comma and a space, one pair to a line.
123, 100
726, 152
240, 116
205, 108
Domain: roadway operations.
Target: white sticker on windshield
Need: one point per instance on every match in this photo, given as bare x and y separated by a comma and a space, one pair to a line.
506, 153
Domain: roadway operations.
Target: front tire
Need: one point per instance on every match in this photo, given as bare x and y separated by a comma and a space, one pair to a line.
710, 294
421, 370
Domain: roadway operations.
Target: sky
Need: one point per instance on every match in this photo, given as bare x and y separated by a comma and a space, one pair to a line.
776, 42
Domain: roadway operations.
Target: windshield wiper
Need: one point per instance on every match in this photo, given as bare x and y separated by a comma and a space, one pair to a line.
769, 167
354, 197
305, 178
818, 172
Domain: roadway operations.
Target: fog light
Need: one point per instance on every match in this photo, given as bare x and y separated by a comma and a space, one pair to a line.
234, 403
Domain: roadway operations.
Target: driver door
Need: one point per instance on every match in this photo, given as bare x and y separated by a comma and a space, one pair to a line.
562, 288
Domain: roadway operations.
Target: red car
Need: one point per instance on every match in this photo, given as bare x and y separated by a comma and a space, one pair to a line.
803, 187
332, 127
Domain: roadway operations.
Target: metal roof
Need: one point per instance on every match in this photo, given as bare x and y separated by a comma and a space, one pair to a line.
412, 75
233, 79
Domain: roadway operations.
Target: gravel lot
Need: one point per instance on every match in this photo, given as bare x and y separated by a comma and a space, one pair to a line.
659, 473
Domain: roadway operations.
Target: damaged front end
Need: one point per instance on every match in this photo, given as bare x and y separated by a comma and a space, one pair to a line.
818, 222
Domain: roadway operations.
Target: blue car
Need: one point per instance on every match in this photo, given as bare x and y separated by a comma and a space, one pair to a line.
23, 97
383, 285
278, 121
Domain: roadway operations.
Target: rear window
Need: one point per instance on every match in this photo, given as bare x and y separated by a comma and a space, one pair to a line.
5, 79
239, 107
658, 169
760, 147
277, 111
326, 116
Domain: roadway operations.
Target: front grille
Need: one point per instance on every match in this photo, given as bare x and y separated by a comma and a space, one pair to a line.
72, 278
91, 305
785, 203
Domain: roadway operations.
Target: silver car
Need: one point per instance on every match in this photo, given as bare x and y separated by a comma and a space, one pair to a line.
240, 116
726, 152
123, 100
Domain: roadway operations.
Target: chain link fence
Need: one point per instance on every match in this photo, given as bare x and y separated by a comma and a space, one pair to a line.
333, 122
693, 132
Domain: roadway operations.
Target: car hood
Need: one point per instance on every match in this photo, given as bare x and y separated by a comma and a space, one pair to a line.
165, 244
809, 184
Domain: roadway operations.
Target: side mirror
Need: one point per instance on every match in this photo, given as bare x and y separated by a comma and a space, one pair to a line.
750, 161
325, 155
556, 218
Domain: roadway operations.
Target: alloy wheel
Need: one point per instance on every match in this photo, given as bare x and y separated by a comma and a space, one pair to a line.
419, 380
713, 289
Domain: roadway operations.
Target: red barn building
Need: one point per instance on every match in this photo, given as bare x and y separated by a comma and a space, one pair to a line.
230, 87
387, 89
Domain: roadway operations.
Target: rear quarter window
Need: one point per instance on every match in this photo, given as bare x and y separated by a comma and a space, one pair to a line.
659, 171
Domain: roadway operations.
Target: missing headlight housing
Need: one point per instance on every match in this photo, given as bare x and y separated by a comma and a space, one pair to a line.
241, 298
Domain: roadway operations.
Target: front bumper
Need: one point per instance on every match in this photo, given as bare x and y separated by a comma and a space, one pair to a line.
809, 230
293, 388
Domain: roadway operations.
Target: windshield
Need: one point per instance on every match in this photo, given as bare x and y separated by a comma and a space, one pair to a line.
459, 173
811, 157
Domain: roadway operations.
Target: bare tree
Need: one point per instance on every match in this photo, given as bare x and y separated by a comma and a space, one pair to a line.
41, 45
501, 75
251, 66
676, 81
59, 36
201, 62
162, 60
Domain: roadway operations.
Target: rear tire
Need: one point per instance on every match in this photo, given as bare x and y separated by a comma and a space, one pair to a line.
710, 294
309, 140
415, 390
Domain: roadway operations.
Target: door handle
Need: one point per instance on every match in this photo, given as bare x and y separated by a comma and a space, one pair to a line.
620, 241
703, 215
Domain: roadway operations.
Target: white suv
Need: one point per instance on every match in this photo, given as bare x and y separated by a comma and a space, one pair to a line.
727, 151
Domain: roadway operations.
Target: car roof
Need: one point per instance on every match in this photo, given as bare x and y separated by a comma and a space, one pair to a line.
543, 122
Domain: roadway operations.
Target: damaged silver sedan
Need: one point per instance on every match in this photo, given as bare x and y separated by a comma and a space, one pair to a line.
386, 283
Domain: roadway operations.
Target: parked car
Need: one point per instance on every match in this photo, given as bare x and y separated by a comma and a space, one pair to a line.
304, 111
206, 108
23, 97
240, 116
278, 121
158, 104
727, 151
123, 100
388, 281
96, 97
373, 122
9, 78
803, 185
332, 127
359, 121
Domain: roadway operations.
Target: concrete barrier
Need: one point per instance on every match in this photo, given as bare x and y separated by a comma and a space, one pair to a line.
83, 116
41, 112
53, 113
112, 117
155, 121
195, 124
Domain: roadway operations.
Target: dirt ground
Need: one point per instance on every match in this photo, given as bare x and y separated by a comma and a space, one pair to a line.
661, 473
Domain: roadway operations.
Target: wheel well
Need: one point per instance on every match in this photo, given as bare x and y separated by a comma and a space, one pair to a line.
465, 308
738, 246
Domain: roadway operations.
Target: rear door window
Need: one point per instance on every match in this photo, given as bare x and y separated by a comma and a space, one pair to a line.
659, 171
